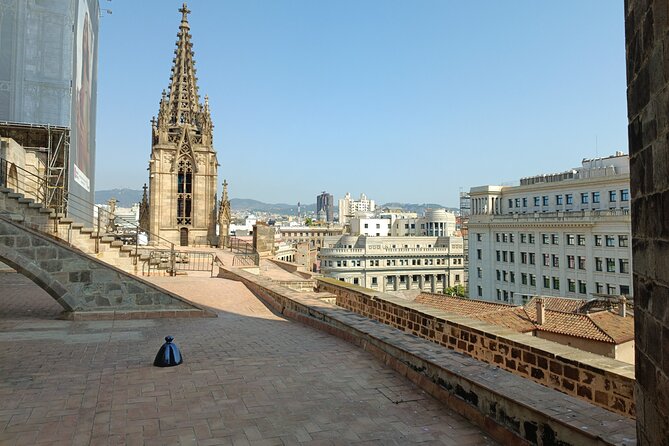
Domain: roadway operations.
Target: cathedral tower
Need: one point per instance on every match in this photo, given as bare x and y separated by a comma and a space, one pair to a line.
183, 165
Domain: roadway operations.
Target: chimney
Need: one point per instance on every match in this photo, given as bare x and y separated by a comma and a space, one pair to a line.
622, 306
541, 311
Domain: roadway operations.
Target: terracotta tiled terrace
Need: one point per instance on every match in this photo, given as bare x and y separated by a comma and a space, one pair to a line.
250, 377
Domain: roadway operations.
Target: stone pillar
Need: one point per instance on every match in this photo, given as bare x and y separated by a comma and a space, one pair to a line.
421, 281
647, 45
396, 283
433, 283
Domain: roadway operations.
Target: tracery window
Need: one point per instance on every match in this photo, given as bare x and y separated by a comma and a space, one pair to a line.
184, 192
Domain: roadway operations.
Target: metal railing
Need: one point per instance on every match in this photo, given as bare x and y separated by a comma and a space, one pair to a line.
174, 261
22, 181
245, 253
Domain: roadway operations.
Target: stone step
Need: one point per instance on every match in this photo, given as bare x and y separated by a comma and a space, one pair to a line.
107, 239
77, 225
116, 243
14, 195
35, 205
26, 200
6, 190
16, 217
87, 230
66, 220
43, 210
127, 248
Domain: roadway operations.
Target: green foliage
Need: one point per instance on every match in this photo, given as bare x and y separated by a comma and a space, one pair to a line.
457, 290
309, 221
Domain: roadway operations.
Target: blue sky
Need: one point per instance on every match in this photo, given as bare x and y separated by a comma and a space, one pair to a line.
404, 100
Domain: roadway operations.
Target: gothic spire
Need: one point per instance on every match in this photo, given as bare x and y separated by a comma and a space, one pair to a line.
183, 98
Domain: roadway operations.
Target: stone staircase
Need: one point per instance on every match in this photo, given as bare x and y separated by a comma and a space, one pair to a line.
26, 211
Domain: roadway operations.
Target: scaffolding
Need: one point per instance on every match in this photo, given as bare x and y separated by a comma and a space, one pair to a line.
53, 144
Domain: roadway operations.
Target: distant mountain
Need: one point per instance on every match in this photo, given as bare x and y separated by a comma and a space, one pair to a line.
126, 197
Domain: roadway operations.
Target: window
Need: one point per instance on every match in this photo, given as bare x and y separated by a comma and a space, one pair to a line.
536, 201
505, 237
624, 195
571, 263
504, 275
581, 262
580, 239
533, 280
530, 238
499, 256
558, 200
479, 290
479, 272
556, 283
511, 238
497, 237
523, 278
610, 265
498, 274
510, 203
356, 281
556, 261
624, 290
544, 200
512, 257
374, 281
610, 241
547, 259
479, 237
612, 196
571, 239
624, 265
478, 254
571, 285
584, 198
569, 198
595, 197
581, 287
517, 202
598, 240
366, 225
499, 295
598, 264
512, 277
532, 257
599, 288
523, 237
378, 226
623, 241
525, 202
504, 256
523, 257
544, 239
555, 239
184, 192
547, 282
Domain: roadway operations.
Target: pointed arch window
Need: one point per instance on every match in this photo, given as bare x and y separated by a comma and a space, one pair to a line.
184, 192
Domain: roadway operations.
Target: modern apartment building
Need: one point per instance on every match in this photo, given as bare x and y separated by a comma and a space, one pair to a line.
349, 208
565, 234
394, 263
370, 226
325, 207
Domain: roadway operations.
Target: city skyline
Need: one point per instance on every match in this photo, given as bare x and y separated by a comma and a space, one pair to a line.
401, 92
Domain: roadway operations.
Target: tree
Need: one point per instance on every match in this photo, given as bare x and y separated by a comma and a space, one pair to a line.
309, 221
457, 290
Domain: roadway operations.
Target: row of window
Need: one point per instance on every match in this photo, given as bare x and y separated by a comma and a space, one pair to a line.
573, 262
415, 278
393, 262
560, 199
554, 239
552, 282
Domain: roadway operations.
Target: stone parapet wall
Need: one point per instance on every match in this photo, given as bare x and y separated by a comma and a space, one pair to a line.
599, 380
511, 409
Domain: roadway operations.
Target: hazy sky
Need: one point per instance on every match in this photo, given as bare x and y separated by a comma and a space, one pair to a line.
406, 101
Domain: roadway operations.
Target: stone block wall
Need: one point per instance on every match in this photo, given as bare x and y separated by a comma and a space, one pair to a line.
647, 46
602, 381
511, 409
82, 284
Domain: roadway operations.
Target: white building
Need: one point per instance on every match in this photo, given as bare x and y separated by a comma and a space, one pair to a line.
394, 263
566, 234
370, 226
349, 208
434, 222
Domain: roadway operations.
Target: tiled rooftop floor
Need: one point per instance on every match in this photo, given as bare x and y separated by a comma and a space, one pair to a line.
249, 377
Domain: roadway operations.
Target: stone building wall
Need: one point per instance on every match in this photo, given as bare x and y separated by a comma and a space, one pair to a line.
596, 379
647, 46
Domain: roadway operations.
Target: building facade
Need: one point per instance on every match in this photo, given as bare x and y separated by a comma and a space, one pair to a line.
183, 165
565, 234
370, 226
348, 208
325, 207
394, 263
434, 222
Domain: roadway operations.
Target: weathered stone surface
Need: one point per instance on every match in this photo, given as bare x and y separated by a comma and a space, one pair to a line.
77, 281
647, 40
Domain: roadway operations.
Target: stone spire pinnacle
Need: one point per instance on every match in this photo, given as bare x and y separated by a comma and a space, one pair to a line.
183, 99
